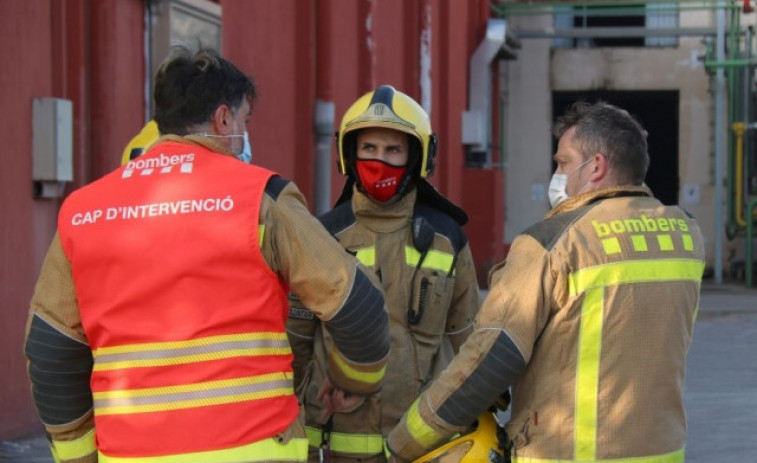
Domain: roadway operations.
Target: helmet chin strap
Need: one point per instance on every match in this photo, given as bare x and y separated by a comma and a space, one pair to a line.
407, 180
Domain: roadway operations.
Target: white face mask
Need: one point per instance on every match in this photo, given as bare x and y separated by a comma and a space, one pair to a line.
557, 186
556, 192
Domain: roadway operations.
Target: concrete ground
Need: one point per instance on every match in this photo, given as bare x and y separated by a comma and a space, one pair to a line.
720, 393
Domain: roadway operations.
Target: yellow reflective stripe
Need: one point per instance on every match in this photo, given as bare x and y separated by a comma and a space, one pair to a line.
368, 377
672, 457
696, 311
72, 449
367, 256
196, 350
412, 256
371, 444
666, 242
314, 436
183, 396
421, 432
587, 374
265, 450
639, 243
636, 271
592, 282
261, 234
437, 260
611, 245
688, 244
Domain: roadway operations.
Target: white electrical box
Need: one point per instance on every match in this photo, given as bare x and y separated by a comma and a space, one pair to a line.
52, 140
473, 132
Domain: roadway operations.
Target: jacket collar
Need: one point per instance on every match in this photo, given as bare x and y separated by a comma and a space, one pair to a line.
199, 140
383, 217
589, 197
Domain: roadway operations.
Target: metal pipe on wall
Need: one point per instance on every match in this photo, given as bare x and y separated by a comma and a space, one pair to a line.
147, 37
324, 133
749, 74
746, 111
720, 130
323, 120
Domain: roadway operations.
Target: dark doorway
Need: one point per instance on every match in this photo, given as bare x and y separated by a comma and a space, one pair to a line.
658, 113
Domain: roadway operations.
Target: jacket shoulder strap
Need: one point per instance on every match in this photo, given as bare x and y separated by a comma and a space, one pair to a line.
339, 218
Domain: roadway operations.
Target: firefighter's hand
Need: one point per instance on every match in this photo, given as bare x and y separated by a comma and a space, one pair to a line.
336, 400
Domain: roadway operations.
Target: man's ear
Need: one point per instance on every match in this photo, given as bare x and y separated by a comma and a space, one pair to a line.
223, 120
601, 168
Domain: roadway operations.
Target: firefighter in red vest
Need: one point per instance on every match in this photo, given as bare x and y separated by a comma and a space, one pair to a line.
156, 330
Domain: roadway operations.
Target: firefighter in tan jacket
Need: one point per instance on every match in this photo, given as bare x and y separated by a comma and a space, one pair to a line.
590, 318
399, 226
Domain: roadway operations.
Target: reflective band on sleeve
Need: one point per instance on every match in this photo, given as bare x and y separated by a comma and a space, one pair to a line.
365, 444
367, 256
437, 260
72, 449
193, 395
587, 375
360, 327
672, 457
265, 450
196, 350
261, 234
636, 271
368, 377
421, 432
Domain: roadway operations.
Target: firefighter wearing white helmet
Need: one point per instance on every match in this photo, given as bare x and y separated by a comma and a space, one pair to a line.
402, 228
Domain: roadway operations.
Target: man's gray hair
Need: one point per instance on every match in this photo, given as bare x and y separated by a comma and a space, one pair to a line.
611, 131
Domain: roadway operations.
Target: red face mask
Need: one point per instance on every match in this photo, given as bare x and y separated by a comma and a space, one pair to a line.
379, 179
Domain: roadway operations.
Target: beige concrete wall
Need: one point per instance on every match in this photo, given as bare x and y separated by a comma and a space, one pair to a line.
528, 139
539, 70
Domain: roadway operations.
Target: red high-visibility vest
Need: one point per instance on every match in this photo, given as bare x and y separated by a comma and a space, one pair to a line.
183, 315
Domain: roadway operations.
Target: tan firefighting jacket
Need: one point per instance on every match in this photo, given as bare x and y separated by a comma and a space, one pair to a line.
590, 319
440, 290
293, 244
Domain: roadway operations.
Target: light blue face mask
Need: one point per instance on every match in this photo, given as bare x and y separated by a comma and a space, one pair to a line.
246, 154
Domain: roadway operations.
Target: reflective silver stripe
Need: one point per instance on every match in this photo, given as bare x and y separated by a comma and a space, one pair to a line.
193, 395
157, 354
196, 350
